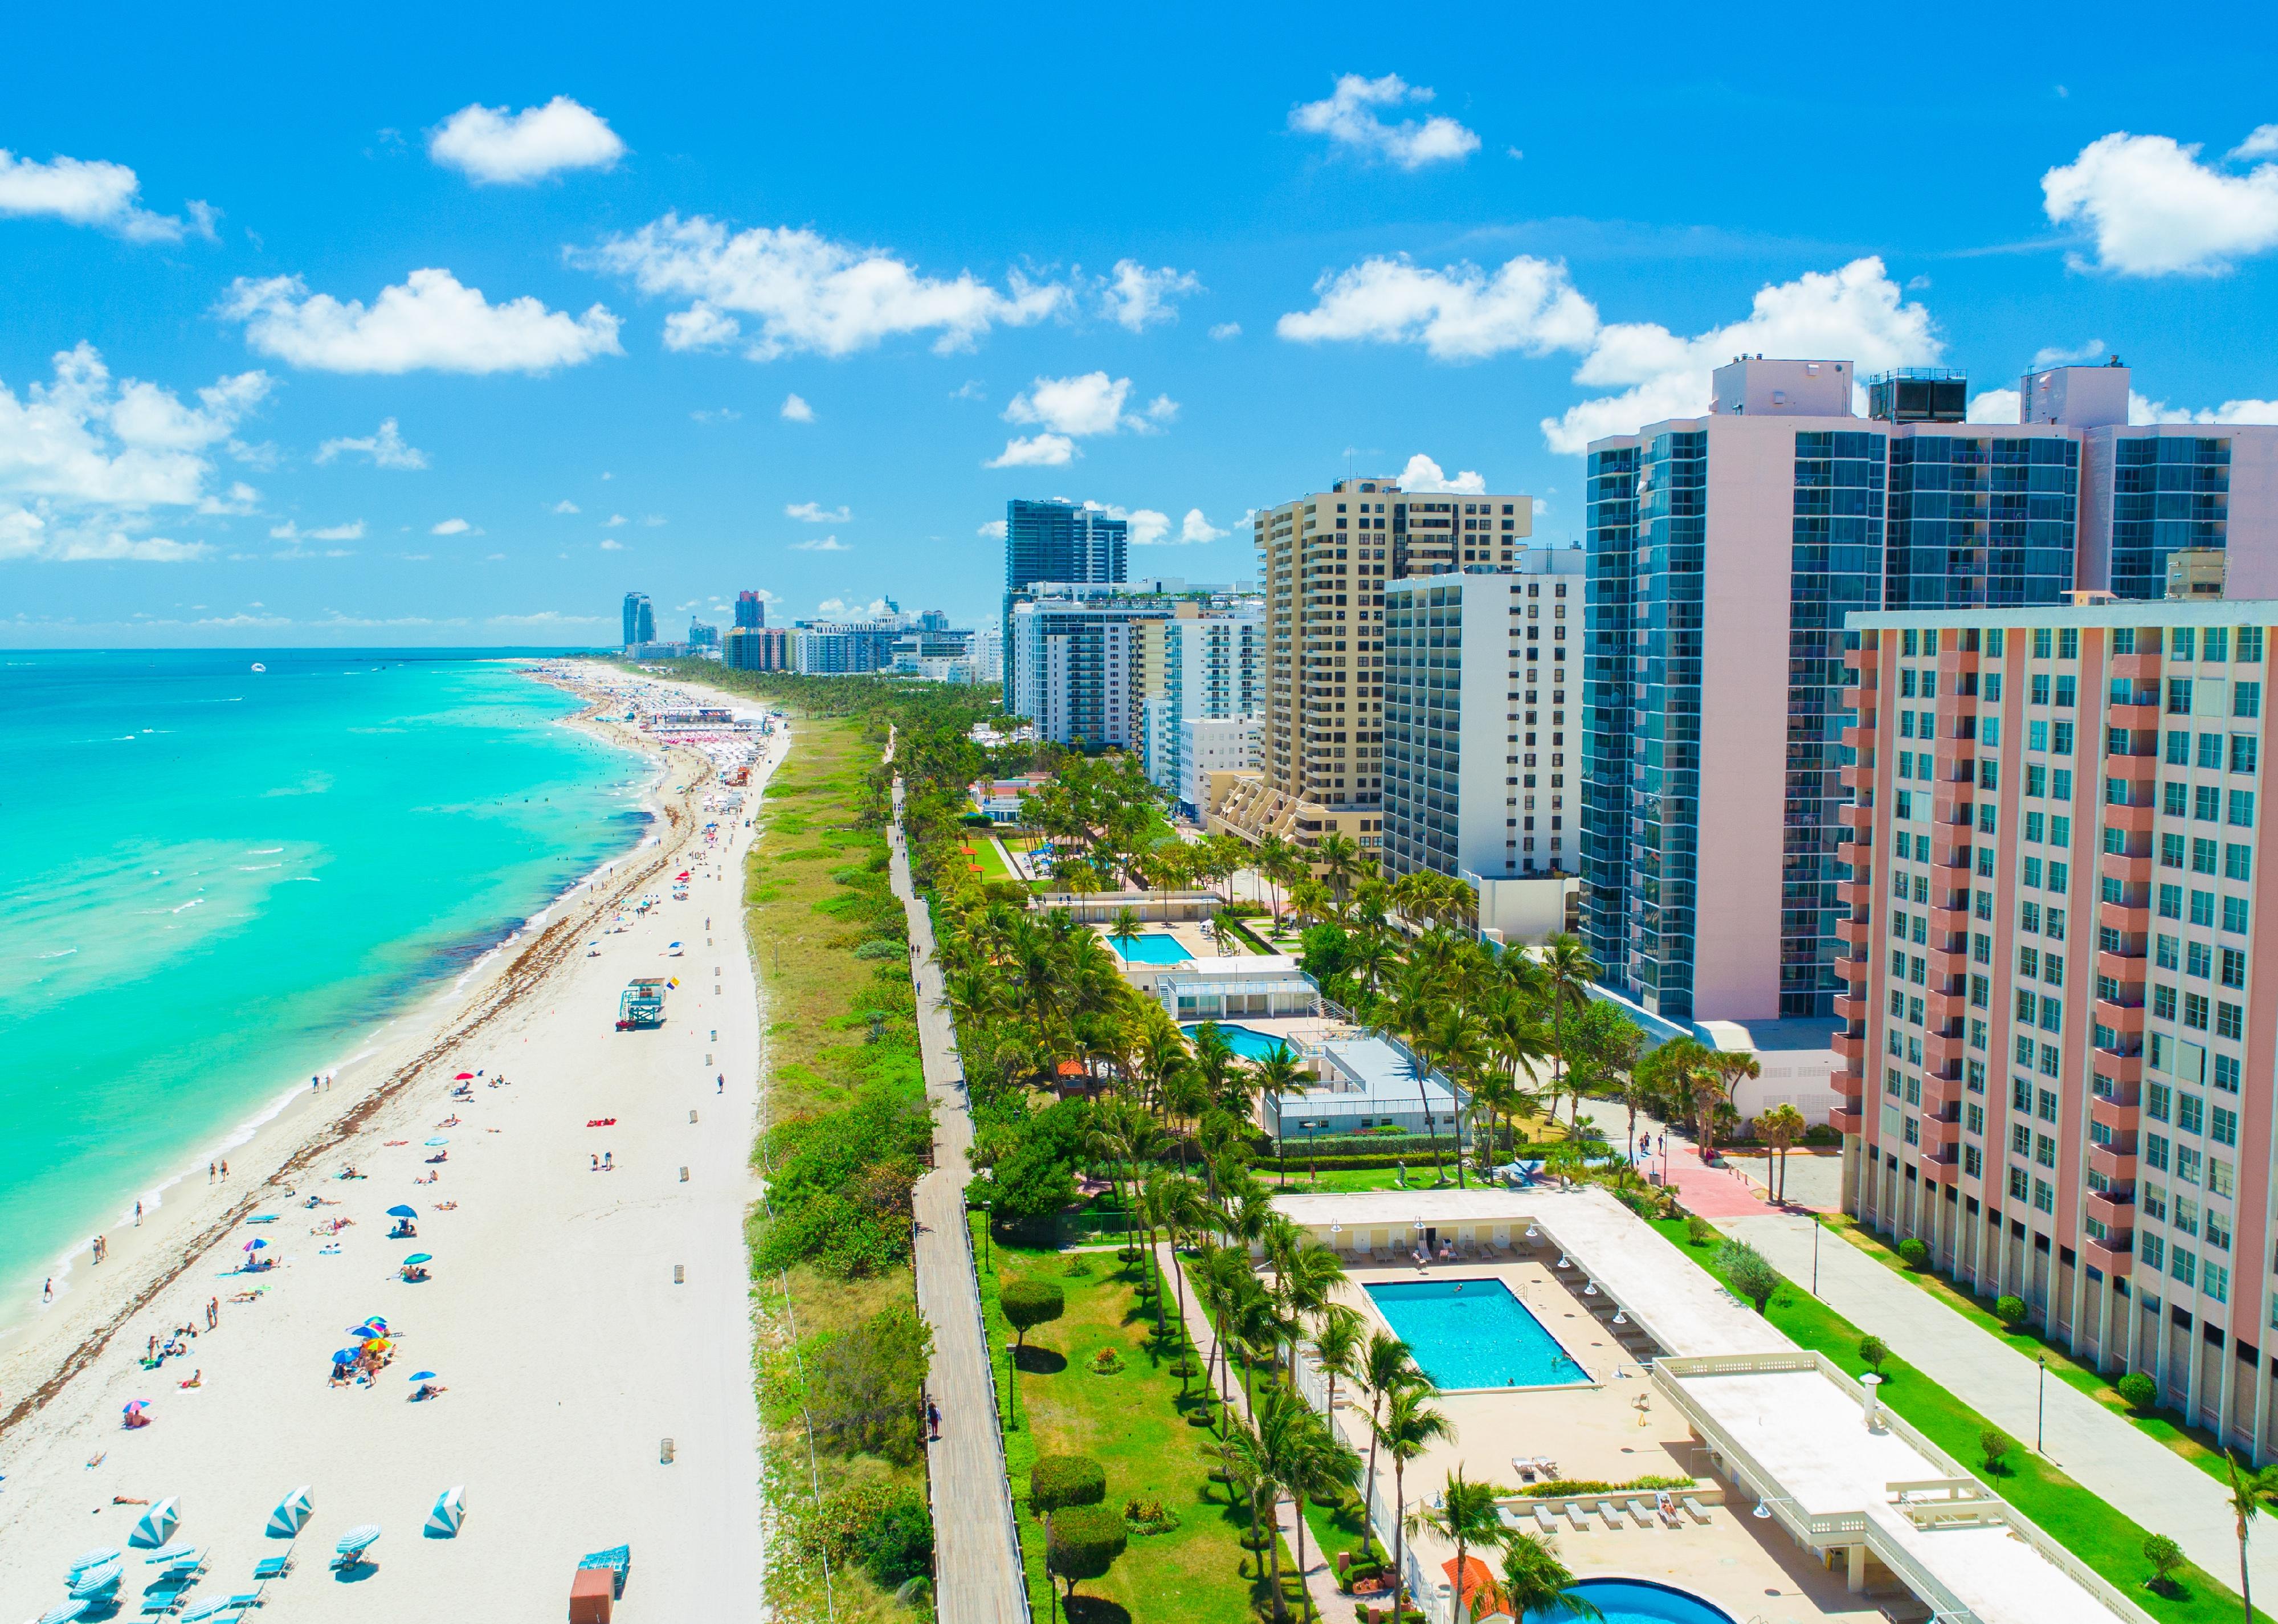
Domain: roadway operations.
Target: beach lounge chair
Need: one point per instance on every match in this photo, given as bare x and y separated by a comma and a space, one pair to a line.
1574, 1515
1548, 1523
273, 1568
1606, 1513
1699, 1513
1639, 1513
617, 1559
1524, 1468
1665, 1507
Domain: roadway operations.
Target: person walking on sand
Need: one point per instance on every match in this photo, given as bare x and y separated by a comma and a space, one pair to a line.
48, 1291
213, 1313
210, 1172
138, 1215
225, 1170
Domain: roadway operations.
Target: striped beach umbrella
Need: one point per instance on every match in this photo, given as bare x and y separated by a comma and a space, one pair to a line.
64, 1612
291, 1512
97, 1582
156, 1525
450, 1510
95, 1558
354, 1541
170, 1551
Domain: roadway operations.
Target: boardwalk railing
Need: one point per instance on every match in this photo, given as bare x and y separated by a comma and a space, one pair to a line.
997, 1408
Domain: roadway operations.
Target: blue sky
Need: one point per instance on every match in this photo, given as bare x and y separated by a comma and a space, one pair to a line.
426, 327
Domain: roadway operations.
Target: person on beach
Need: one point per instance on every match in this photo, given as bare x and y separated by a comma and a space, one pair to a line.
138, 1215
210, 1172
225, 1170
608, 1161
48, 1291
213, 1313
596, 1168
723, 1084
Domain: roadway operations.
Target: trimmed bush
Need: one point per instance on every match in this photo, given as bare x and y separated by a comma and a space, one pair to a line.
896, 1544
1029, 1302
2165, 1556
2010, 1311
1059, 1481
1913, 1253
1994, 1444
1748, 1272
1874, 1351
1699, 1231
2140, 1390
1084, 1543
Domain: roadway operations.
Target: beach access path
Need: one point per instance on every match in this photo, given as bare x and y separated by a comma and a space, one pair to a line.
977, 1555
577, 1319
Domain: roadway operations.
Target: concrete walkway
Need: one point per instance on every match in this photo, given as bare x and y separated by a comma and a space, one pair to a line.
977, 1559
2133, 1474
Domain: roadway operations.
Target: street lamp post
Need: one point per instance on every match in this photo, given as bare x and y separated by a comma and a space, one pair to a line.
1815, 1256
2041, 1405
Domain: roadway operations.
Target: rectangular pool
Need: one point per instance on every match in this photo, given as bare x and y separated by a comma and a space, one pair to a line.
1473, 1333
1154, 949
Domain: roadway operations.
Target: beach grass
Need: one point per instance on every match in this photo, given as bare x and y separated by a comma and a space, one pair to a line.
815, 892
1134, 1424
2068, 1512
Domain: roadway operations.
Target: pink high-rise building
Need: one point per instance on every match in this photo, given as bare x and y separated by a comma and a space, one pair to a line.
2062, 1026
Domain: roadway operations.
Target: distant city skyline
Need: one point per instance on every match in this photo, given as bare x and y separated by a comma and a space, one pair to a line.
287, 360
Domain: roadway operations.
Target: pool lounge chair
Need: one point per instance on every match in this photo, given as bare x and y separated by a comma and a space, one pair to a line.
1699, 1513
1574, 1515
1524, 1468
1606, 1512
1542, 1516
1665, 1507
1641, 1512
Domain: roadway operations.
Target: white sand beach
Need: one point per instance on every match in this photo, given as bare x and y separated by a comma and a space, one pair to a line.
569, 1350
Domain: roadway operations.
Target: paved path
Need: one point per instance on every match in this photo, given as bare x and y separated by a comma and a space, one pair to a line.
2130, 1472
977, 1562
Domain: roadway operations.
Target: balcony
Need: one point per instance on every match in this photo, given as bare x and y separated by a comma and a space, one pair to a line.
1850, 1008
2126, 1019
1850, 1086
1944, 1008
2134, 819
1857, 932
1856, 817
1850, 1047
1861, 737
2122, 967
1858, 775
2115, 1163
2136, 667
1942, 1053
1952, 662
2135, 718
1853, 970
1847, 1119
2128, 920
2125, 1071
1948, 920
2126, 869
1956, 812
1857, 894
2115, 1256
1951, 963
2121, 1119
2113, 1208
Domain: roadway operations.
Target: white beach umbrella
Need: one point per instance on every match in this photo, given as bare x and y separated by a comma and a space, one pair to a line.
357, 1538
156, 1525
93, 1559
64, 1612
450, 1510
97, 1581
291, 1512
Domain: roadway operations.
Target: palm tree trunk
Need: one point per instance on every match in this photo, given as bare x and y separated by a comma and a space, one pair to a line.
2246, 1579
1273, 1533
1368, 1496
1399, 1515
1297, 1496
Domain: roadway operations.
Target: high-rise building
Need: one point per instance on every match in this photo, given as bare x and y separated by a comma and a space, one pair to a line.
1056, 541
2059, 1031
988, 655
1212, 752
751, 610
758, 649
703, 634
1324, 562
824, 648
1483, 676
1700, 529
933, 620
639, 620
1198, 662
1068, 663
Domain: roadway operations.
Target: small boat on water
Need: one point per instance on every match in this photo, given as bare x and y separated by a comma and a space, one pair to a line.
258, 666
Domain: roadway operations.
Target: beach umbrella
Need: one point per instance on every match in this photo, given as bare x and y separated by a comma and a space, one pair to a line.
96, 1558
356, 1539
344, 1357
97, 1582
171, 1550
444, 1141
255, 1243
156, 1525
291, 1513
200, 1609
419, 1257
64, 1612
402, 1211
423, 1376
450, 1510
464, 1076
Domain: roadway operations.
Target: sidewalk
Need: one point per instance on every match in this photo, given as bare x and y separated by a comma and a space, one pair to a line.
2131, 1472
977, 1562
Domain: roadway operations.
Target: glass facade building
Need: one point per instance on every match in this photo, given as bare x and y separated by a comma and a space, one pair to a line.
2168, 493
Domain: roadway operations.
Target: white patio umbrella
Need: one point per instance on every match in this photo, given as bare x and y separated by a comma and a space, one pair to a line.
291, 1512
450, 1510
357, 1538
156, 1525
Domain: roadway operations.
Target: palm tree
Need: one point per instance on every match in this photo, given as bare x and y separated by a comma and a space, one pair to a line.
2250, 1490
1385, 1367
1337, 1345
1276, 1075
1124, 929
1536, 1583
1262, 1460
1410, 1427
1729, 1066
1339, 855
1570, 971
1466, 1516
1271, 862
1306, 1276
1321, 1467
1780, 1128
1451, 1042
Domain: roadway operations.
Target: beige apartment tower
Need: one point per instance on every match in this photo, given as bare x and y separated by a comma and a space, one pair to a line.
1324, 562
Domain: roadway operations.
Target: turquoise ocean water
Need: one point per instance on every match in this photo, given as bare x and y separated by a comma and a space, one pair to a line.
214, 882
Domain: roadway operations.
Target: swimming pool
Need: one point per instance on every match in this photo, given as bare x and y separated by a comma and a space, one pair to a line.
1473, 1334
1154, 949
1640, 1601
1247, 1041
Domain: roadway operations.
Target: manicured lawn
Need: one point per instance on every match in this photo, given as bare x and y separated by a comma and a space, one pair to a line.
2078, 1520
2195, 1444
984, 853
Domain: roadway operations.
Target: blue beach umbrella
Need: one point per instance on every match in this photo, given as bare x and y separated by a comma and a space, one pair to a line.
343, 1356
450, 1510
401, 1212
444, 1141
423, 1376
356, 1539
255, 1245
93, 1559
64, 1612
156, 1526
97, 1582
291, 1514
172, 1551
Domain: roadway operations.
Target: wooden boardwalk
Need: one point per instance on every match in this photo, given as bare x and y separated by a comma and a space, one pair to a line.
976, 1557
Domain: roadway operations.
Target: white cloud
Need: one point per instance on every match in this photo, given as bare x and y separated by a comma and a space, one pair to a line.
810, 295
796, 409
385, 448
838, 608
1423, 474
1092, 403
85, 459
821, 544
453, 528
2141, 410
1460, 313
492, 146
1995, 406
613, 521
2154, 209
993, 531
1854, 313
700, 326
610, 544
2262, 142
650, 521
431, 321
1148, 526
1196, 528
720, 413
1348, 118
816, 513
1226, 330
969, 390
565, 506
290, 531
1035, 451
2052, 355
92, 192
544, 617
1135, 296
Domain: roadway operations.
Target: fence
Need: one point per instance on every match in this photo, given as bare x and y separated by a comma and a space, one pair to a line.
1424, 1591
997, 1408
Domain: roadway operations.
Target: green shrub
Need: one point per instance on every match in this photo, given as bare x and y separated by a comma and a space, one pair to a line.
1059, 1481
1995, 1444
1748, 1272
897, 1543
881, 947
1913, 1253
2140, 1391
1029, 1302
1084, 1543
2010, 1311
865, 1384
1699, 1231
2165, 1556
1874, 1351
